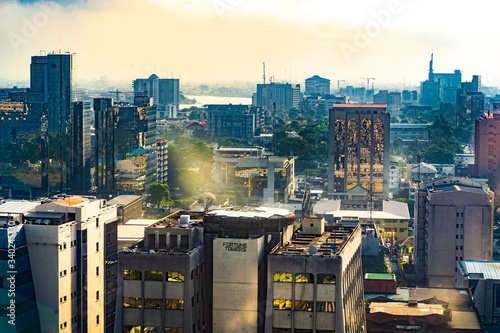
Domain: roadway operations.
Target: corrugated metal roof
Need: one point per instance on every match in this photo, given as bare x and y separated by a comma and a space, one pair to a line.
18, 206
489, 269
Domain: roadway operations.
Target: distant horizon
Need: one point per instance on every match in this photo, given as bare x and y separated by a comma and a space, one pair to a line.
220, 41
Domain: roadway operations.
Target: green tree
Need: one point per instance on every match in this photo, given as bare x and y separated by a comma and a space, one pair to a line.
206, 200
158, 195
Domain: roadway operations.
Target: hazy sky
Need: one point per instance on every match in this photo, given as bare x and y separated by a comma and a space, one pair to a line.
227, 40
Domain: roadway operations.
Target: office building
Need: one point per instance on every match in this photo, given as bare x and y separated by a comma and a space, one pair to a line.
162, 161
358, 158
164, 92
80, 157
315, 282
231, 121
184, 276
70, 258
279, 96
469, 107
104, 151
453, 221
128, 207
316, 85
409, 132
390, 218
487, 147
135, 148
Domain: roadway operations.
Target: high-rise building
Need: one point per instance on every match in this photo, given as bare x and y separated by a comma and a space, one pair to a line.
80, 159
469, 107
162, 91
487, 150
440, 87
358, 158
453, 221
231, 121
66, 265
135, 148
315, 281
104, 151
316, 85
162, 164
282, 96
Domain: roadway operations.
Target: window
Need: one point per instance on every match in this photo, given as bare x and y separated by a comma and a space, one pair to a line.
153, 276
97, 295
132, 302
97, 320
132, 329
152, 303
326, 278
97, 247
282, 304
97, 271
131, 274
282, 277
304, 278
325, 306
174, 304
461, 236
175, 277
63, 325
303, 305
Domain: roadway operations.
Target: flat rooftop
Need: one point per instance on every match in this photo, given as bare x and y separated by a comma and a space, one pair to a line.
124, 200
18, 206
330, 242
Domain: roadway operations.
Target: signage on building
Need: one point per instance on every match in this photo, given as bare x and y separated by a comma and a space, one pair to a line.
408, 327
236, 247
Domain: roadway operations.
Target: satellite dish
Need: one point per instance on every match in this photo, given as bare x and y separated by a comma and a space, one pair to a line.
269, 237
312, 250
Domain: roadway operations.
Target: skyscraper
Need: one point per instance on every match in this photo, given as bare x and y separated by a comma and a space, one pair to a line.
53, 82
162, 91
487, 150
80, 158
282, 95
358, 157
104, 154
453, 221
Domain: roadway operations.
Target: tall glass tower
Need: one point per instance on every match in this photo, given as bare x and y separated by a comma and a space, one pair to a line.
358, 156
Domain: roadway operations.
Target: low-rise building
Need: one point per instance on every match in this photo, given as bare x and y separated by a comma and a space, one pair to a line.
389, 217
482, 279
128, 207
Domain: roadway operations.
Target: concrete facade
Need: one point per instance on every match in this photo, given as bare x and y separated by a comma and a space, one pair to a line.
316, 288
487, 147
453, 221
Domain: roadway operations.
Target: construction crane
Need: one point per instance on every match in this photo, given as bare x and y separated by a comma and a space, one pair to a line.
117, 92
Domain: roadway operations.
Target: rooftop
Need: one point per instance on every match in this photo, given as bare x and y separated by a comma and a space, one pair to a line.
124, 200
71, 201
331, 242
485, 269
379, 276
18, 206
404, 309
385, 210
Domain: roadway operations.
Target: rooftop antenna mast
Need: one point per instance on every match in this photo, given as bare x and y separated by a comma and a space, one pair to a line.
264, 72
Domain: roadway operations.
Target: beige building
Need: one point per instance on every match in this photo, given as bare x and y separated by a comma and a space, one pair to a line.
389, 217
67, 247
315, 283
453, 221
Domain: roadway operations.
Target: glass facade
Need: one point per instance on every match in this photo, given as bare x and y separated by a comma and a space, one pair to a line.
357, 154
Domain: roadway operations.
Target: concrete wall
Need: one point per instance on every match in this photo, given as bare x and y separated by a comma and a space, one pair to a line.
235, 283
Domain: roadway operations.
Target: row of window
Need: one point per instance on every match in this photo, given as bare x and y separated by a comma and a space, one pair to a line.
303, 277
286, 304
153, 303
151, 329
133, 274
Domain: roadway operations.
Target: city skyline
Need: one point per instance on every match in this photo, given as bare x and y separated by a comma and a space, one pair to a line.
221, 41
